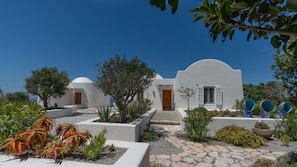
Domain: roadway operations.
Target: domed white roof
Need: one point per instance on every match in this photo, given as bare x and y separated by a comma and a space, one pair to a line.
82, 80
158, 76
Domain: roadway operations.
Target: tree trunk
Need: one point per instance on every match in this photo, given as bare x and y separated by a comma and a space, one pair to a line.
45, 102
123, 112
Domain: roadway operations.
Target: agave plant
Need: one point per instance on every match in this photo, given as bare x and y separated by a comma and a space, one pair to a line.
15, 145
104, 113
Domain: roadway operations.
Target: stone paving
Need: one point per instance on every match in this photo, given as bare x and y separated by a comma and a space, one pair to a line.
208, 155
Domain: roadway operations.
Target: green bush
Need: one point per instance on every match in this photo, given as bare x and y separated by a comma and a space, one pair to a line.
239, 136
139, 107
261, 125
196, 124
287, 160
263, 163
17, 117
94, 150
149, 135
287, 126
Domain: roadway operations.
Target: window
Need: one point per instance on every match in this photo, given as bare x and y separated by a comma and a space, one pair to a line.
209, 95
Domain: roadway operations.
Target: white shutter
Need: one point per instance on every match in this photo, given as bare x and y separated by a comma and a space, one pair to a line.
219, 97
201, 97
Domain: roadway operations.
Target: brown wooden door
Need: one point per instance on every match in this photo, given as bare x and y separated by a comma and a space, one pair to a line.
166, 99
77, 97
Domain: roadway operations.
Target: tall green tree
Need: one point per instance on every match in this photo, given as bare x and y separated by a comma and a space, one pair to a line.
123, 80
47, 82
285, 69
17, 97
271, 90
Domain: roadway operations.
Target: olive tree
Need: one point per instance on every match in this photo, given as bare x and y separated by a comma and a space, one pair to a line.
47, 82
123, 80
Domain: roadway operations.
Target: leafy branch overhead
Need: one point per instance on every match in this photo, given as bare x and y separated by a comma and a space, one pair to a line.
268, 19
261, 18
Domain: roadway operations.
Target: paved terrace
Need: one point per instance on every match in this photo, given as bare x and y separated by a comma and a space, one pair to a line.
193, 154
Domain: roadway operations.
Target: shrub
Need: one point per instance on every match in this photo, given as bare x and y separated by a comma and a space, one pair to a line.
261, 125
287, 160
17, 117
150, 135
139, 107
287, 126
239, 136
263, 163
94, 150
196, 124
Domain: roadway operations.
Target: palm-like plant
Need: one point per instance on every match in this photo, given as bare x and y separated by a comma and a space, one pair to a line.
15, 145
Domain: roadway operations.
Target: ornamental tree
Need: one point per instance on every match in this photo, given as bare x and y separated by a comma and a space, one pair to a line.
186, 94
47, 82
123, 80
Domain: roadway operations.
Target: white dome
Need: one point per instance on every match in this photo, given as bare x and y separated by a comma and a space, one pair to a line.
158, 76
82, 80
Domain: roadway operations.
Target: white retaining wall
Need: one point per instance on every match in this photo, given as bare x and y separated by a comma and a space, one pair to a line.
119, 131
56, 113
220, 122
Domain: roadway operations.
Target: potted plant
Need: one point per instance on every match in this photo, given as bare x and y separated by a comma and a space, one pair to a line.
262, 129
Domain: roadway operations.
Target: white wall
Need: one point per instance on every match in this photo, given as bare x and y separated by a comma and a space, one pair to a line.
154, 92
214, 73
203, 73
91, 96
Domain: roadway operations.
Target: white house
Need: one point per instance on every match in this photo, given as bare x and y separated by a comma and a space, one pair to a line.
81, 93
216, 86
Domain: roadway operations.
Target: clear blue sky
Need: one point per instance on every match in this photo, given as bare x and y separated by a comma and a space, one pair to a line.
75, 35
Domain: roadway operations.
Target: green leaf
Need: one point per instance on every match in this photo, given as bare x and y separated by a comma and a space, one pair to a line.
238, 6
275, 41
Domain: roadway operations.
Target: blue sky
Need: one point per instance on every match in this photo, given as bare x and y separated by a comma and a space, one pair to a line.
75, 35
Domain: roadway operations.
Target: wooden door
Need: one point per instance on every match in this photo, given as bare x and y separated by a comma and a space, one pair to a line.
77, 97
166, 99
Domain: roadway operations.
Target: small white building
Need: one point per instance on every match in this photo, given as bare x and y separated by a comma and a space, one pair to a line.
81, 93
216, 85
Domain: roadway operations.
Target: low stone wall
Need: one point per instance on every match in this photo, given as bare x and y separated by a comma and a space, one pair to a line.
56, 113
220, 122
119, 131
136, 155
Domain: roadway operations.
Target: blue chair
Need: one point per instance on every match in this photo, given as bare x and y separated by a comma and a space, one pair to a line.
266, 107
284, 109
248, 107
